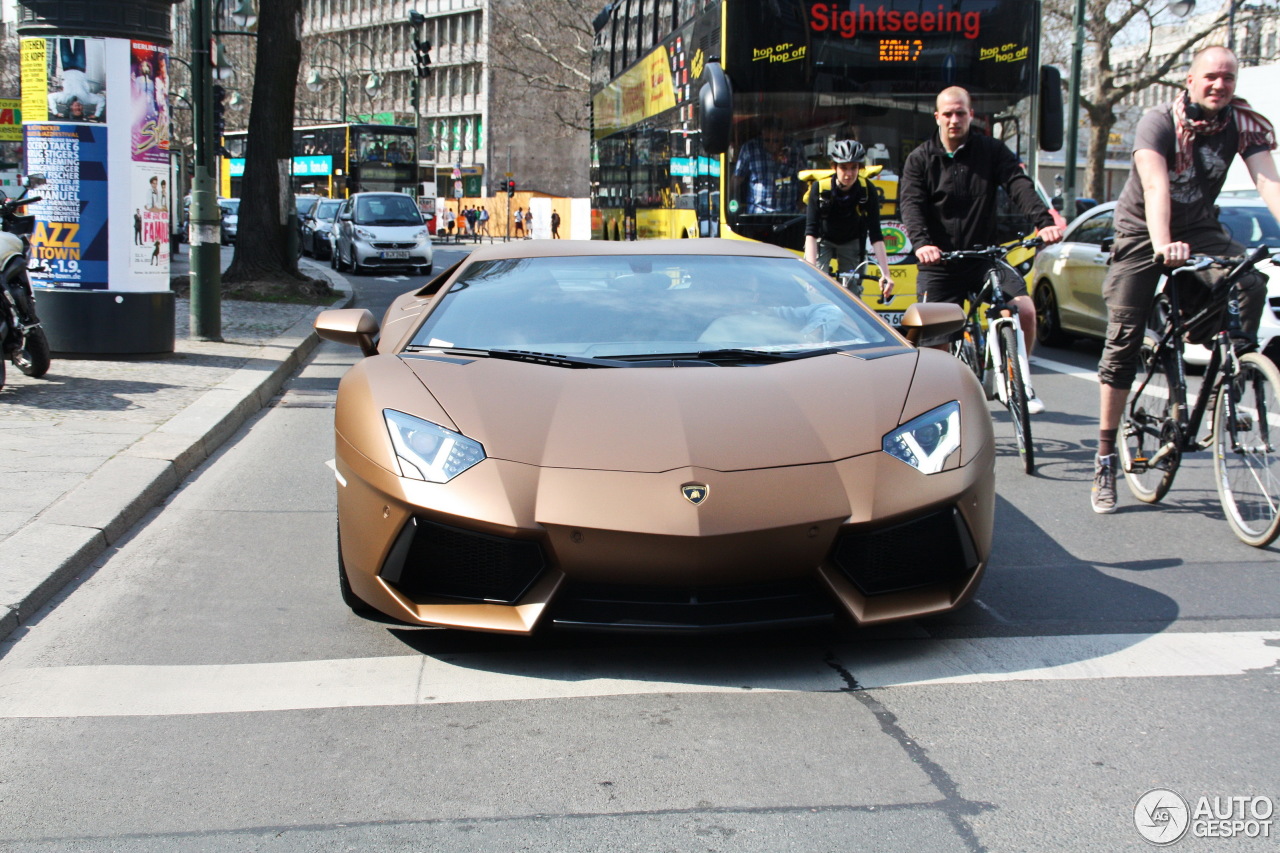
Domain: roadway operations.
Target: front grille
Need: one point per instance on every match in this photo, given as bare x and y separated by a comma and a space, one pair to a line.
432, 560
935, 548
679, 609
386, 245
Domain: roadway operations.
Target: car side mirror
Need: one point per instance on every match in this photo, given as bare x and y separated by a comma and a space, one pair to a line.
351, 326
345, 217
1106, 244
927, 324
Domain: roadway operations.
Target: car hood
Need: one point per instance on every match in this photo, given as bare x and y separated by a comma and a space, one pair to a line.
807, 411
392, 232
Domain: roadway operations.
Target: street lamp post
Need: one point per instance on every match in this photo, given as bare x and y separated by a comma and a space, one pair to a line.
205, 234
422, 70
372, 84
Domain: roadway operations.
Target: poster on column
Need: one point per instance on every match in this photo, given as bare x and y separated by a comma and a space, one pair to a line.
76, 72
70, 236
149, 191
149, 95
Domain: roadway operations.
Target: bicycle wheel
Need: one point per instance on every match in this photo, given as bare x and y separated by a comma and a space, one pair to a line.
1016, 395
968, 347
1246, 465
1148, 428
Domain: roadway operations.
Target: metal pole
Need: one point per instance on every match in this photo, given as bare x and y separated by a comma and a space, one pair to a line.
206, 220
1231, 27
1073, 115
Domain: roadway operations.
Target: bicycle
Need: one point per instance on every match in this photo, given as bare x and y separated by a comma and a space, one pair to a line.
998, 354
1241, 391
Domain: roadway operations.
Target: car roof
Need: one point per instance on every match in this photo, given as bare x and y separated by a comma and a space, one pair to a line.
639, 248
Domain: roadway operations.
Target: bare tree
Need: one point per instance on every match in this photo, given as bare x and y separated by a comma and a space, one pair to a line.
263, 264
1132, 27
545, 46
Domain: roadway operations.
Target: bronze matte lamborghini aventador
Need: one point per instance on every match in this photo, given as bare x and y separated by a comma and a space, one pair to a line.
664, 435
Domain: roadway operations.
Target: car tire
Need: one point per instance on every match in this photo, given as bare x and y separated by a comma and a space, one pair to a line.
1048, 317
358, 605
333, 260
424, 269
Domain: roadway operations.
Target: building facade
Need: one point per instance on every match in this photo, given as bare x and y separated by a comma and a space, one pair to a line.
476, 119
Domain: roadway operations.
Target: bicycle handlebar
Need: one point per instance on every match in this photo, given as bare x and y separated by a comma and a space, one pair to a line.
9, 205
992, 252
860, 273
1200, 262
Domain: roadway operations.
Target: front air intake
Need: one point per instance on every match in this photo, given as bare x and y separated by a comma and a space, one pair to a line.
433, 560
936, 548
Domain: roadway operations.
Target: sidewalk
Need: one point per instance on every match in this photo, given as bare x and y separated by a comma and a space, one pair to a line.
90, 448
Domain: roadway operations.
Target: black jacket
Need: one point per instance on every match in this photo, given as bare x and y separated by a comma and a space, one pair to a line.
951, 202
851, 215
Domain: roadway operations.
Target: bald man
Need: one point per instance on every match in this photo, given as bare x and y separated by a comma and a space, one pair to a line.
1181, 152
948, 198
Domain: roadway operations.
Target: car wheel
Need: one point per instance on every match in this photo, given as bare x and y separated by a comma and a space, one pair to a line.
424, 269
356, 267
333, 260
358, 605
1048, 319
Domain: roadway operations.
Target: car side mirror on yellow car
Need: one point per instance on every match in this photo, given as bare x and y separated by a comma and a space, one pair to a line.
927, 324
351, 326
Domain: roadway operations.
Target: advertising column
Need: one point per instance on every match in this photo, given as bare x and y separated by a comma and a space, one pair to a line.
95, 116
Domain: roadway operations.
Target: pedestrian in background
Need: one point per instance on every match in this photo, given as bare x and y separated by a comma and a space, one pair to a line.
519, 220
555, 225
528, 224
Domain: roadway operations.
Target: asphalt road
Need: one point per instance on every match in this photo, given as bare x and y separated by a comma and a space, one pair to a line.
205, 689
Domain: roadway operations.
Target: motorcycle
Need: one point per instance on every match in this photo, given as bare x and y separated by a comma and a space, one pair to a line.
22, 339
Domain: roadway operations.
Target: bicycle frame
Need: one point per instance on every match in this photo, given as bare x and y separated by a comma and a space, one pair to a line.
996, 306
1171, 344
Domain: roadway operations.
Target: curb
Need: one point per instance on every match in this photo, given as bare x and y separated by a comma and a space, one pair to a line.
37, 561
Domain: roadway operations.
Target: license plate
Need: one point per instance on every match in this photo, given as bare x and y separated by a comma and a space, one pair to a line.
893, 318
392, 256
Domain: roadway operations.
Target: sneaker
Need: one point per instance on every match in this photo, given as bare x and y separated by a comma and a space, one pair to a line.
1104, 484
1034, 404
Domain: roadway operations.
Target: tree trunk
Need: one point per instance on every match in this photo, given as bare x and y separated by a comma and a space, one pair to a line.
1095, 171
262, 246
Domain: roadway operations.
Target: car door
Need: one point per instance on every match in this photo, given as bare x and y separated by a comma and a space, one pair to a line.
1081, 267
342, 230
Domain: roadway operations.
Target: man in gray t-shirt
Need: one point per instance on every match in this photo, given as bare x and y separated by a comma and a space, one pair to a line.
1180, 159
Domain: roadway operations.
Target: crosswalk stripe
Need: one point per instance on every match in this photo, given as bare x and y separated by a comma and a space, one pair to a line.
1063, 367
108, 691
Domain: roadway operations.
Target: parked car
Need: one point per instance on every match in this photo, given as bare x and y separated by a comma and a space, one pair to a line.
659, 434
230, 208
380, 230
1067, 276
316, 226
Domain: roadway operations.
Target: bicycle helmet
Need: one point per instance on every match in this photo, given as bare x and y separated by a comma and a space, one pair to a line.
848, 151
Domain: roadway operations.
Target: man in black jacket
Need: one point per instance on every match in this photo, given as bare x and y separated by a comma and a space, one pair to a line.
948, 197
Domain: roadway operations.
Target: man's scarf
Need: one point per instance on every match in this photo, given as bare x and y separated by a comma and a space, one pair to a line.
1254, 129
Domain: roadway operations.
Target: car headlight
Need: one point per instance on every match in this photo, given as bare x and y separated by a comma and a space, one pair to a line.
429, 452
421, 236
927, 442
363, 234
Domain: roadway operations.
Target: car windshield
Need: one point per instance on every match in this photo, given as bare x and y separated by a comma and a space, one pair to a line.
230, 205
387, 210
326, 210
304, 204
1250, 225
620, 306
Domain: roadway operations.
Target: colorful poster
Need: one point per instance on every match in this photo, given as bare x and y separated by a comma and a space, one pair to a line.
35, 77
77, 80
70, 235
149, 88
149, 250
10, 120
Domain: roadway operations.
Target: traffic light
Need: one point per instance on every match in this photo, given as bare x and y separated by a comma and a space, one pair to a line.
511, 188
413, 93
422, 56
219, 117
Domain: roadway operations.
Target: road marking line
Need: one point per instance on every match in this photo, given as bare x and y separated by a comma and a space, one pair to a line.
1063, 367
108, 691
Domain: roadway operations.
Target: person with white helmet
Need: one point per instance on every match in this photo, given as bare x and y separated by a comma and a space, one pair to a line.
843, 215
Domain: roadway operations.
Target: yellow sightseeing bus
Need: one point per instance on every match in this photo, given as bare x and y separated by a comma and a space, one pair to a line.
679, 88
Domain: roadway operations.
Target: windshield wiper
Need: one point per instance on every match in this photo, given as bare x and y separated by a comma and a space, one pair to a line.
735, 355
553, 359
